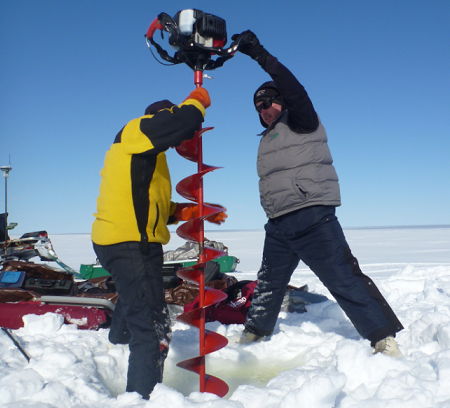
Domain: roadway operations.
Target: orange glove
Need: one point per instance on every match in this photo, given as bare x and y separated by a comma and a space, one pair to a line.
201, 95
187, 211
184, 211
217, 218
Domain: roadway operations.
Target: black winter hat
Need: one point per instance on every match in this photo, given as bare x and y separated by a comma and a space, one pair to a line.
157, 106
264, 93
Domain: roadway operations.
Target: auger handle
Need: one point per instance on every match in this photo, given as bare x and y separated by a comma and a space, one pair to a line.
155, 25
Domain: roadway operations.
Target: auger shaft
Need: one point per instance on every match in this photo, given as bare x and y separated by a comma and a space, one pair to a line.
198, 80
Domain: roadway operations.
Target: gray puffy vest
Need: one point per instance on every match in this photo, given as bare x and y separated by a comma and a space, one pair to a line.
295, 170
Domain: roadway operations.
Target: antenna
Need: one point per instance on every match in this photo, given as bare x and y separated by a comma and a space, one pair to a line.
6, 170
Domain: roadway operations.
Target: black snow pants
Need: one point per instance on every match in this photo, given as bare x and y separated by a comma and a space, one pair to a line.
314, 235
141, 316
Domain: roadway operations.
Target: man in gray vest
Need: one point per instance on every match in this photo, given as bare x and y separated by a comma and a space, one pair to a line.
299, 192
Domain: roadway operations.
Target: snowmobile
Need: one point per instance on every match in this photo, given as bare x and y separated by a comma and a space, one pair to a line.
31, 288
86, 299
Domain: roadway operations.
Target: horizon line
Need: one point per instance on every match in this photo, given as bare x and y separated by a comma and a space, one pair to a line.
262, 229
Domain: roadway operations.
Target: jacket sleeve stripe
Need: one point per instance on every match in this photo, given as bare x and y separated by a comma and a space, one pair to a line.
166, 129
142, 169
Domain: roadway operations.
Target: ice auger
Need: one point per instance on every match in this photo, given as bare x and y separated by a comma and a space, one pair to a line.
196, 36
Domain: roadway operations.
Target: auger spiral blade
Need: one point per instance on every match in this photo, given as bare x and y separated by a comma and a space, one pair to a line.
213, 253
193, 273
191, 230
212, 296
191, 188
212, 384
189, 148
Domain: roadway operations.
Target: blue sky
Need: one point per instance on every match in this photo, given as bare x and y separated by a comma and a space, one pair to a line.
73, 73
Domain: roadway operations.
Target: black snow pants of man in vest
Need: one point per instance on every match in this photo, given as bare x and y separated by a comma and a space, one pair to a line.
314, 236
141, 316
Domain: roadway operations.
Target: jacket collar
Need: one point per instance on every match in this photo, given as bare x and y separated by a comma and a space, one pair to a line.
274, 123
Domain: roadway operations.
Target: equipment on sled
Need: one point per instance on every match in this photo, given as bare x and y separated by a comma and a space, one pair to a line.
26, 247
30, 245
233, 309
87, 310
182, 257
187, 255
29, 288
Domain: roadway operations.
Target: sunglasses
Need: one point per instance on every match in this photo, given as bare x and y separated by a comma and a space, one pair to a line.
265, 105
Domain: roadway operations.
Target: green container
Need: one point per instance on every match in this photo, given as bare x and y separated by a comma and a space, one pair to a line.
227, 264
92, 271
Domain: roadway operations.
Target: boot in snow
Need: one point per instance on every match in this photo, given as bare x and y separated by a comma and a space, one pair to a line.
388, 347
248, 337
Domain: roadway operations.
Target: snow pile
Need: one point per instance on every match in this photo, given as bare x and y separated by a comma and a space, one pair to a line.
315, 359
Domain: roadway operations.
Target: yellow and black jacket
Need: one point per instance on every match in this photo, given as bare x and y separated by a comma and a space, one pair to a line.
135, 191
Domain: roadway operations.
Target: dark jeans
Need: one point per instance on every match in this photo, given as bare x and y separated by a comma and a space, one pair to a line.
315, 236
140, 317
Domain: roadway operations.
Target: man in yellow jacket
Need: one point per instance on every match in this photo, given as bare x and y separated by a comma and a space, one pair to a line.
133, 210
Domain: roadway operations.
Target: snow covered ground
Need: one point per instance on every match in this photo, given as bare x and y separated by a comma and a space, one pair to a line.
315, 359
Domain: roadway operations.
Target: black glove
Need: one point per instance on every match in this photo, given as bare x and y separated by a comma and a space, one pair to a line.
249, 44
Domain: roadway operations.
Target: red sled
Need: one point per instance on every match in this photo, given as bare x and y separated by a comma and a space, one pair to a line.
86, 313
29, 288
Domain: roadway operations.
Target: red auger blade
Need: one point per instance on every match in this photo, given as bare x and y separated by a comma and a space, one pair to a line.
192, 273
190, 186
216, 386
213, 341
192, 364
212, 384
190, 230
192, 318
193, 230
189, 148
212, 253
212, 296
